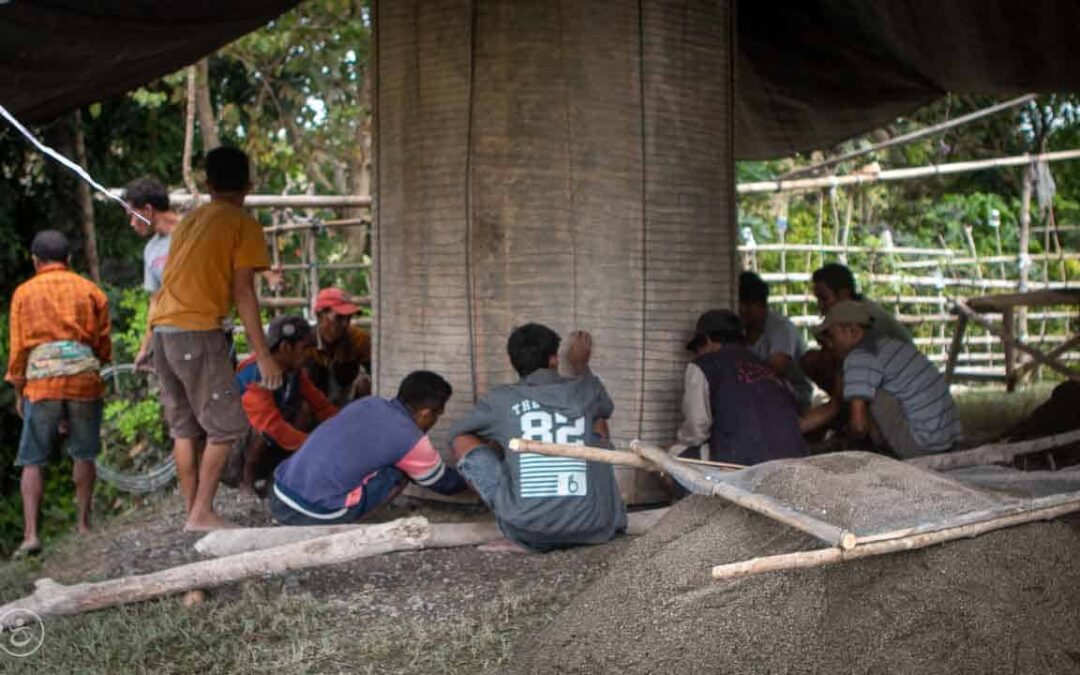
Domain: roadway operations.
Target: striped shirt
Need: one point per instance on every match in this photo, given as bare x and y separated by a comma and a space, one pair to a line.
898, 368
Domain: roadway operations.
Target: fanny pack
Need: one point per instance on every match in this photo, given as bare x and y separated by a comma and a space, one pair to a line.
61, 359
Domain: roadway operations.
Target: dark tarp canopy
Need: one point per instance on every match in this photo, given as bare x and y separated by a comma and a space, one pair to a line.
809, 73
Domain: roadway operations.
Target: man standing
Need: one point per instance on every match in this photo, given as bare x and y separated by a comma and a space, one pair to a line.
894, 394
735, 405
215, 252
772, 336
149, 198
59, 340
543, 503
341, 361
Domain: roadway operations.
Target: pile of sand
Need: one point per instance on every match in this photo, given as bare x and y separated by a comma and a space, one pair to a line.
1008, 601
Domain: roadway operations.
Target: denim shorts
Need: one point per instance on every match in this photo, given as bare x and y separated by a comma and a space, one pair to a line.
483, 469
40, 438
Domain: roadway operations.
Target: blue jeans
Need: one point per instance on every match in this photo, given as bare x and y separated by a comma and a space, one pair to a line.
40, 438
380, 488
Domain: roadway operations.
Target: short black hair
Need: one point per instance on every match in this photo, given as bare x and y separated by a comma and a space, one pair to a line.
228, 169
753, 288
531, 347
727, 337
147, 191
424, 389
836, 277
50, 246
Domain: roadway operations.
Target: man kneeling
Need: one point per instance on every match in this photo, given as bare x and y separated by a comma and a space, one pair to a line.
543, 503
361, 458
281, 419
895, 395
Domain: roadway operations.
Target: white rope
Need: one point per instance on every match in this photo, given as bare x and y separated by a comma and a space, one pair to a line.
72, 166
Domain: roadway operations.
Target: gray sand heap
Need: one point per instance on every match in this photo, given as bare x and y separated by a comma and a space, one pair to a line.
1006, 602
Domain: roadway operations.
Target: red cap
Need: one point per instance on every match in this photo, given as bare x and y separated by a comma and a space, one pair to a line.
337, 300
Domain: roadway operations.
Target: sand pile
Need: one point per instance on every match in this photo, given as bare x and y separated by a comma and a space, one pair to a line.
1005, 602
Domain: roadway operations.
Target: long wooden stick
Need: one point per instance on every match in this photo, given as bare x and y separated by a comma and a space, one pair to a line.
832, 556
51, 598
766, 506
994, 453
617, 457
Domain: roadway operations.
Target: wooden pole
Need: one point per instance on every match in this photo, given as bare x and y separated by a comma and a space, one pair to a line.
800, 184
617, 457
51, 598
761, 504
189, 137
954, 348
994, 453
832, 556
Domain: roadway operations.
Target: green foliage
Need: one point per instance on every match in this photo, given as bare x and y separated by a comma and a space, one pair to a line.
134, 420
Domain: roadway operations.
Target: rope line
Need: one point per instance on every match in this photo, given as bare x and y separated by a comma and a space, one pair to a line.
68, 164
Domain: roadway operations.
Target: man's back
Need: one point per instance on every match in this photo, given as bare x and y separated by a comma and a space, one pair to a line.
205, 250
754, 415
365, 436
550, 501
57, 305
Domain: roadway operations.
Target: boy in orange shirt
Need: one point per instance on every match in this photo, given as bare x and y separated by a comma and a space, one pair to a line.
214, 255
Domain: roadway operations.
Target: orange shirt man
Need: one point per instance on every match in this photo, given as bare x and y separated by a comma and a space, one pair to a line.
59, 340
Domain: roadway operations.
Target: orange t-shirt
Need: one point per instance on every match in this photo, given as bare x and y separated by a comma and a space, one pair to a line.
207, 248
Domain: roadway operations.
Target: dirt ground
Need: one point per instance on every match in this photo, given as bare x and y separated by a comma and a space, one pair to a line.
454, 610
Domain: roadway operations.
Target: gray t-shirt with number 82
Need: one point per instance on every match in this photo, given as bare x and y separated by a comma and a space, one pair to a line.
554, 500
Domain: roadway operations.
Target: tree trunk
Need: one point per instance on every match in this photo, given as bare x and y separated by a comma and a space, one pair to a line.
189, 136
86, 202
205, 107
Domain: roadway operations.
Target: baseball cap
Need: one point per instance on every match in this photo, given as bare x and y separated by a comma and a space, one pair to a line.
847, 311
337, 300
714, 321
286, 329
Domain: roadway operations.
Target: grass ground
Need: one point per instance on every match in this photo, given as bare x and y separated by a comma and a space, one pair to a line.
443, 611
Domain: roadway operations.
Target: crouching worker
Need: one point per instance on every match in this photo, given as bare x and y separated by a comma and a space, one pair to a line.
362, 458
543, 503
280, 420
736, 407
59, 339
895, 396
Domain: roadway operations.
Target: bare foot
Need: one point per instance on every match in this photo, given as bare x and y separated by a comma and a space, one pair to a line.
84, 529
206, 522
29, 547
502, 546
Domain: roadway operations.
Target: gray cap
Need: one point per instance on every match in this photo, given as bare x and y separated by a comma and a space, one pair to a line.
287, 329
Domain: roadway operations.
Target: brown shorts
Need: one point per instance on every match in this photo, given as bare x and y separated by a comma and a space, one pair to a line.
197, 386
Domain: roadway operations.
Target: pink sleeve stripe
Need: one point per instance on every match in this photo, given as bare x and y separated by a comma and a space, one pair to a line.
422, 463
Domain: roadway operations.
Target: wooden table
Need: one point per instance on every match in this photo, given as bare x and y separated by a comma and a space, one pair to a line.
973, 309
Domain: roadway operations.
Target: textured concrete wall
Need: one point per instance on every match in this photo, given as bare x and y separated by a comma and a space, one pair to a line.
562, 162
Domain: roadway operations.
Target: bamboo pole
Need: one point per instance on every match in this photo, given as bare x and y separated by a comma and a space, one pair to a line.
761, 504
922, 281
800, 184
617, 457
912, 136
994, 453
832, 556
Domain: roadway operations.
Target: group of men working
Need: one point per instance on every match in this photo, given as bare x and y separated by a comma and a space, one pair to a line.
330, 459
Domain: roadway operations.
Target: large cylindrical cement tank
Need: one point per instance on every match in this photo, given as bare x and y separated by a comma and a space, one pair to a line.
562, 162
